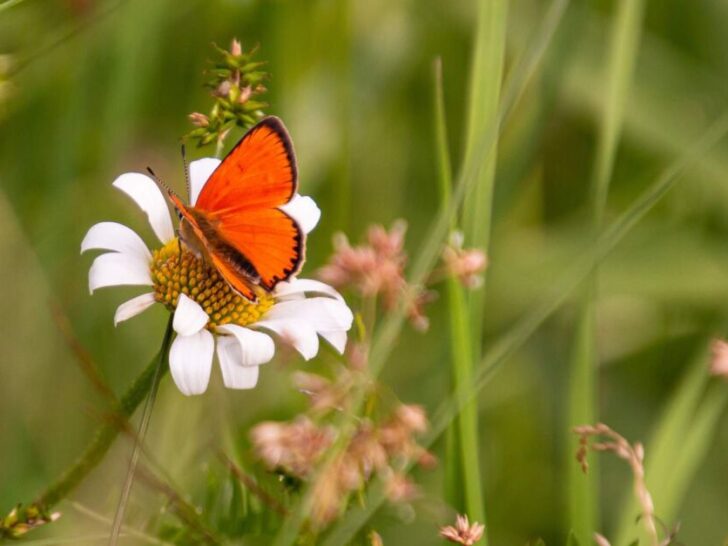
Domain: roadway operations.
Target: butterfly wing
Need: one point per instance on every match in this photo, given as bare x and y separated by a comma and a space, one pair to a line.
241, 199
197, 231
269, 239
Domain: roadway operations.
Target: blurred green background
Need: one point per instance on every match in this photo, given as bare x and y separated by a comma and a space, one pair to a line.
98, 88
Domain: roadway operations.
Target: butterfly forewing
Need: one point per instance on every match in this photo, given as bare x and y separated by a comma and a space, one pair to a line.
260, 171
239, 207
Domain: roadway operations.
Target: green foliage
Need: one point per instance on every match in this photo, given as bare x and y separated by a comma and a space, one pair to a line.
100, 88
234, 83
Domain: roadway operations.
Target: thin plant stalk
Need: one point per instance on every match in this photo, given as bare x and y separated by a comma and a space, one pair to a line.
453, 468
9, 4
503, 349
463, 462
466, 316
583, 489
141, 434
86, 511
387, 333
485, 89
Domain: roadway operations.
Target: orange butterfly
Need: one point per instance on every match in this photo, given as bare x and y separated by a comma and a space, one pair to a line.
236, 223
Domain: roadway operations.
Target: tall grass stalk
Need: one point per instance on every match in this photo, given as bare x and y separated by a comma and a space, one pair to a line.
582, 399
463, 472
391, 326
500, 351
466, 316
485, 87
453, 465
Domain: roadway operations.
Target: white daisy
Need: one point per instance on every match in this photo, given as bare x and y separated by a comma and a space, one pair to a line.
205, 308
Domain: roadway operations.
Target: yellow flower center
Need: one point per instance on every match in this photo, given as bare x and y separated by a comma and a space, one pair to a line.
175, 273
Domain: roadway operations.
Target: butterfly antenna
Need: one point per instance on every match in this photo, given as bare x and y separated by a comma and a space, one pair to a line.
186, 167
164, 186
158, 180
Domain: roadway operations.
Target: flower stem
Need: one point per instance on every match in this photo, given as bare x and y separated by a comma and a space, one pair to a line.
583, 491
139, 439
107, 433
219, 147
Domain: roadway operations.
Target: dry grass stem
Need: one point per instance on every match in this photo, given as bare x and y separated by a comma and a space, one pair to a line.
634, 455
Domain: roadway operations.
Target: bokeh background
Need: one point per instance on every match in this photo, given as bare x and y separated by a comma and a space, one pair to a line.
96, 88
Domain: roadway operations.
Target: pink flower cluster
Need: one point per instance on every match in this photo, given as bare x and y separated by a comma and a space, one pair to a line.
296, 448
376, 269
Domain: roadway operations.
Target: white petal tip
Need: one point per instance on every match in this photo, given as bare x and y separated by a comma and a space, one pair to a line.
189, 317
144, 191
304, 211
133, 307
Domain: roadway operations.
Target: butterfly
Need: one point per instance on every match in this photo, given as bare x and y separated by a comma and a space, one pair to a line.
236, 223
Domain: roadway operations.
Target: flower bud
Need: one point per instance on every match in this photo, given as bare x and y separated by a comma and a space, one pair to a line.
199, 120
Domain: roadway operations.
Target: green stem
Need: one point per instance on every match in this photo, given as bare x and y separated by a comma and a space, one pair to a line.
141, 435
582, 398
467, 314
219, 148
453, 468
107, 433
463, 486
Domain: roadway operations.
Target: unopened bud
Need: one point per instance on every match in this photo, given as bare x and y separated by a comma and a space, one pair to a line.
198, 119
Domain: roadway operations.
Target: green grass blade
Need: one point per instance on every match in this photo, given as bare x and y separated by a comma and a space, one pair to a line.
485, 86
453, 473
499, 353
9, 4
464, 483
583, 490
466, 317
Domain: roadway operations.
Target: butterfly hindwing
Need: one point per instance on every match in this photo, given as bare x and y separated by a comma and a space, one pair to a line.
270, 239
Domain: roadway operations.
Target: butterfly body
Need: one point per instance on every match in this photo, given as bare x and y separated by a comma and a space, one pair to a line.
236, 223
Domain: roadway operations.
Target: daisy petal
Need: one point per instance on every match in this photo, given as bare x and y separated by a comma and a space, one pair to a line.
189, 317
301, 286
234, 375
304, 211
322, 314
133, 307
337, 339
255, 347
144, 191
190, 362
200, 171
115, 269
116, 237
297, 333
